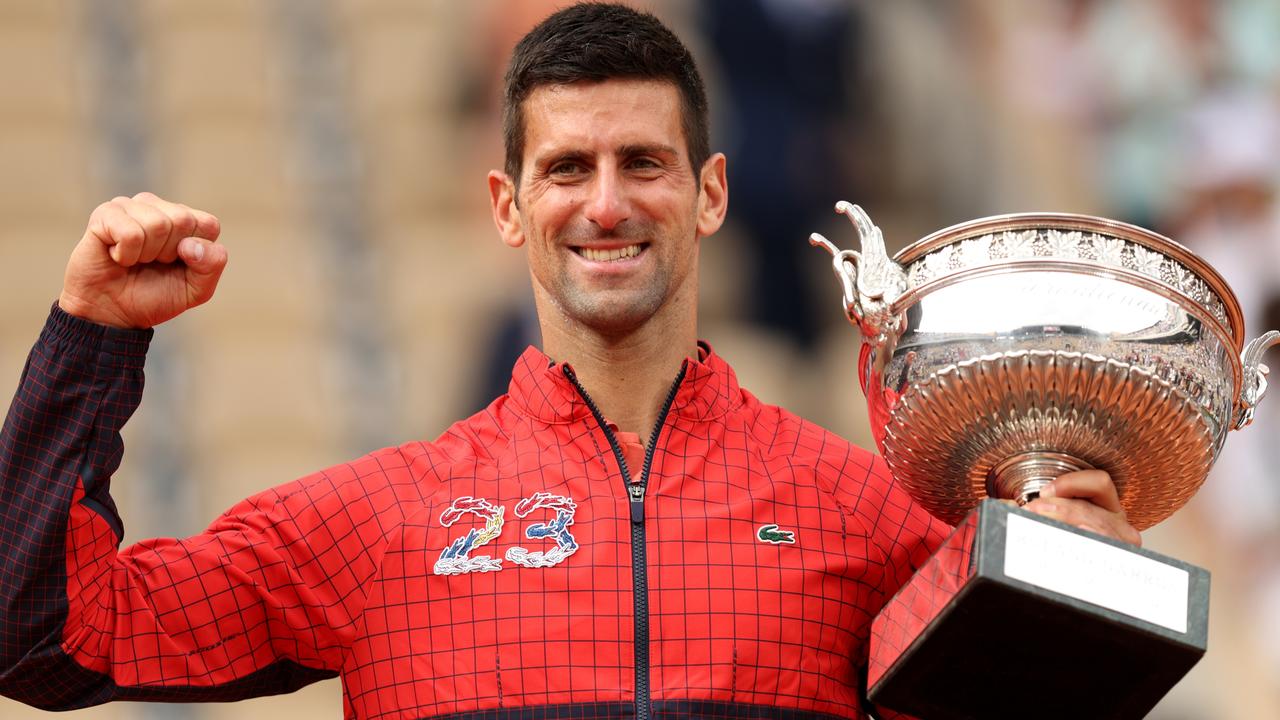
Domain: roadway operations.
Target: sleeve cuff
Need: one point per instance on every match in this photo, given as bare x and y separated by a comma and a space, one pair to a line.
103, 344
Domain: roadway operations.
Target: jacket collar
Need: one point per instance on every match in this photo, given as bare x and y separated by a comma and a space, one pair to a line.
541, 389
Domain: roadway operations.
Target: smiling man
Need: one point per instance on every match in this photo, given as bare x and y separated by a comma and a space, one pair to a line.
626, 533
611, 210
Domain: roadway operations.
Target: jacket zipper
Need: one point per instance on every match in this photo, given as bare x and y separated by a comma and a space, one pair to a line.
639, 565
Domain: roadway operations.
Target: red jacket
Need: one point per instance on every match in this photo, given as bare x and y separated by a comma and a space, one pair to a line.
518, 565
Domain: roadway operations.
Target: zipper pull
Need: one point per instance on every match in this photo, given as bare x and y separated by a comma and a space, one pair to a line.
636, 490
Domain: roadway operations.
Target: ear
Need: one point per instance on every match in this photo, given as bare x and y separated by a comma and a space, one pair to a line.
713, 195
506, 215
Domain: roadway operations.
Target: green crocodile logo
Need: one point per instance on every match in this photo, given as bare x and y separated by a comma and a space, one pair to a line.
771, 534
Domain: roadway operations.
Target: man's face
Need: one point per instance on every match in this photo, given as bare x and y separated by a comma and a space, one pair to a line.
608, 204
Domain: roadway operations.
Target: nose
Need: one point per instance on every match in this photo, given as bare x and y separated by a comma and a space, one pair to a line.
607, 205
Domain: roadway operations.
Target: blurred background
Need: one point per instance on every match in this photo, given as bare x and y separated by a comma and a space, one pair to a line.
344, 144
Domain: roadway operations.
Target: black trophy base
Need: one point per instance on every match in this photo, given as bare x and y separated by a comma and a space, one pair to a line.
970, 642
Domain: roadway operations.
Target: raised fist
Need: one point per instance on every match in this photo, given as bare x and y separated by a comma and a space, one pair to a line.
142, 261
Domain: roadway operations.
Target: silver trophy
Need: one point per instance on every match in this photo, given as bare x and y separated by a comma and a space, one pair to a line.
1002, 352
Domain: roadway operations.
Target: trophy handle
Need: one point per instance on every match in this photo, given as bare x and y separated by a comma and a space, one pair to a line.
1255, 376
845, 265
870, 280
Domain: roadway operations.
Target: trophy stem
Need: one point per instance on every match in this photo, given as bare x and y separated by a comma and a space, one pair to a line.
1021, 476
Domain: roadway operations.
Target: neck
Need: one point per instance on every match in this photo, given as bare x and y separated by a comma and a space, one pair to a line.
628, 378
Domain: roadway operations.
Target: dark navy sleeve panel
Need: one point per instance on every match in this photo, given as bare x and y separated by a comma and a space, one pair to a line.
81, 383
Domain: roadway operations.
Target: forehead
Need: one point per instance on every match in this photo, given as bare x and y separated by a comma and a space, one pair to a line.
602, 116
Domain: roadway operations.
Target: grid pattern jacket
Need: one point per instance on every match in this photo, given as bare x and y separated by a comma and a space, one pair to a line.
519, 566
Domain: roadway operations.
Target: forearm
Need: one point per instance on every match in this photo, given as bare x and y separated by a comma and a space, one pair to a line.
59, 446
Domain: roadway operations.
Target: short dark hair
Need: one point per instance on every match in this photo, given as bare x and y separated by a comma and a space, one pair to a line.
593, 42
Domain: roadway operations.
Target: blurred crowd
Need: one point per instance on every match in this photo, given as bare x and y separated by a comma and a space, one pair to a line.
1164, 113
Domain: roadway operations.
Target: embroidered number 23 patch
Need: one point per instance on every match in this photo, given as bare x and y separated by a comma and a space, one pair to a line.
457, 559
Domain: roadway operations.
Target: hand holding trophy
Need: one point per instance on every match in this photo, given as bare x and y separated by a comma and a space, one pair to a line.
998, 355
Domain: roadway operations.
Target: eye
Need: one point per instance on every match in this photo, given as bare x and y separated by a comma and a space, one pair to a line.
567, 168
645, 166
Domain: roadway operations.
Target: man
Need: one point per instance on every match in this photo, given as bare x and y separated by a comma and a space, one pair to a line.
625, 532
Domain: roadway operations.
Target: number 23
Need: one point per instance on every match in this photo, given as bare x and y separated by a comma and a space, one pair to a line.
457, 559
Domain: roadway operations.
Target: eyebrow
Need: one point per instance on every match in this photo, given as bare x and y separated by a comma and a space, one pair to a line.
561, 156
647, 149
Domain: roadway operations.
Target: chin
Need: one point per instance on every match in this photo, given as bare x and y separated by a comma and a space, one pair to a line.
612, 325
610, 311
613, 318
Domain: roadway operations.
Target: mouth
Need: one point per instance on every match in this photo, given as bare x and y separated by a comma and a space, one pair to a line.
611, 254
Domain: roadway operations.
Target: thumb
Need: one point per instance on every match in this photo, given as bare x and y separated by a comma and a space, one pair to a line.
205, 261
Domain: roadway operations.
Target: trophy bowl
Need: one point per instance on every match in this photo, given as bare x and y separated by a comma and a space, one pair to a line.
1002, 352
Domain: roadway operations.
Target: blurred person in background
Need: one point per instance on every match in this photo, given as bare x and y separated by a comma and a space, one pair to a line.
791, 132
1152, 63
686, 549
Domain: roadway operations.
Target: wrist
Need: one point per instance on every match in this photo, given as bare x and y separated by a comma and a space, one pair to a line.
74, 306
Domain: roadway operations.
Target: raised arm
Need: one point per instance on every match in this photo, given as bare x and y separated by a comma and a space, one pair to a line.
251, 606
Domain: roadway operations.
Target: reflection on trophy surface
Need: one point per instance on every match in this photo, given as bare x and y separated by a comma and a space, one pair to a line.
997, 355
1003, 352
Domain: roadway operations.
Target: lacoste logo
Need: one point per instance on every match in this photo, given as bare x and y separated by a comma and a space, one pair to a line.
771, 534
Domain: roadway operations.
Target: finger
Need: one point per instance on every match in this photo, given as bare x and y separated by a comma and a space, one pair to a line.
1063, 509
207, 226
156, 225
103, 219
182, 220
99, 222
1088, 516
119, 231
1095, 486
205, 261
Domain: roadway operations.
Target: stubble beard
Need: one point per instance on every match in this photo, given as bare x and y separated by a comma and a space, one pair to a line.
611, 311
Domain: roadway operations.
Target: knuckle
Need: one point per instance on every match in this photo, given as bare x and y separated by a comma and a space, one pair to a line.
156, 225
146, 195
184, 221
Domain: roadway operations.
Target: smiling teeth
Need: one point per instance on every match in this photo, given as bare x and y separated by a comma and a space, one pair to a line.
622, 253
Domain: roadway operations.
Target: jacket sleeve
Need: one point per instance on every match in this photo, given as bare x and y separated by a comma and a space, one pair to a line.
262, 602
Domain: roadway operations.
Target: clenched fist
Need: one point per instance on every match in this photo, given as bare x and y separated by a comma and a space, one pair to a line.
142, 261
